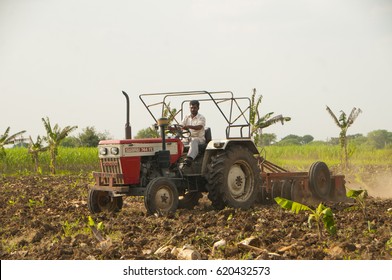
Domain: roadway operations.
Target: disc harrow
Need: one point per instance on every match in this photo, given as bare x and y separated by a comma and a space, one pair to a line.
314, 186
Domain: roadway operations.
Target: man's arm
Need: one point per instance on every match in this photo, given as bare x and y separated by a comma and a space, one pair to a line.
195, 127
200, 124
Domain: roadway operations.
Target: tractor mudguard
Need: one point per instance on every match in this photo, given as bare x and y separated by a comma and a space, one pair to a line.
223, 144
215, 146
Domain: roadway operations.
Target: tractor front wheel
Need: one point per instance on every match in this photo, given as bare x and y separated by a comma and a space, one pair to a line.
161, 196
101, 201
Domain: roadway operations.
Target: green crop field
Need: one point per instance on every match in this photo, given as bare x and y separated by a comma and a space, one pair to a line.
295, 158
301, 157
69, 161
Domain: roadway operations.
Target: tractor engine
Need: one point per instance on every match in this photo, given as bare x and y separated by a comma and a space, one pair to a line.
135, 162
149, 170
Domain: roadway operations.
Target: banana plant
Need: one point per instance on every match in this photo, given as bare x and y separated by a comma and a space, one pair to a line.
152, 132
320, 215
169, 113
34, 149
7, 139
359, 196
344, 122
54, 136
258, 123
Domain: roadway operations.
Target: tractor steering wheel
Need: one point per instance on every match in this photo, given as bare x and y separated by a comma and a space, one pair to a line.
179, 132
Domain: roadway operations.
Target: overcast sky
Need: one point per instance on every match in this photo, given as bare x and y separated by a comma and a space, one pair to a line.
70, 60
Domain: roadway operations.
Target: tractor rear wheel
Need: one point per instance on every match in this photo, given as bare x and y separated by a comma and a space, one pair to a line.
99, 201
233, 179
161, 196
320, 180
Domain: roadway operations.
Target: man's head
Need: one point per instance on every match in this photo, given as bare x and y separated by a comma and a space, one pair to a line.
194, 107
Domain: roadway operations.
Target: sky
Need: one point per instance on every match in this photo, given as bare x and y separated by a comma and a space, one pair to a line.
70, 60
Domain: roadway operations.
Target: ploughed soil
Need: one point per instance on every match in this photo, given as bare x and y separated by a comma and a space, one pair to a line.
46, 217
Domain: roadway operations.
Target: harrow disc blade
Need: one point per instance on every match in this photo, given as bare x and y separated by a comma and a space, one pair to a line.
320, 180
286, 189
276, 189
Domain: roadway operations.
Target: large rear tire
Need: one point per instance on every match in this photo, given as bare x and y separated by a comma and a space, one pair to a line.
233, 178
101, 201
161, 196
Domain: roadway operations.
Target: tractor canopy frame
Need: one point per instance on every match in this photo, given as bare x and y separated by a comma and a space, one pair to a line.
236, 113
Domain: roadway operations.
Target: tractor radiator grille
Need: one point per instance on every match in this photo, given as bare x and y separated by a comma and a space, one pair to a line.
112, 166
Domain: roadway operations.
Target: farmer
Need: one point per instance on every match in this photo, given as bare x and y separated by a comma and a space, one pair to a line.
196, 123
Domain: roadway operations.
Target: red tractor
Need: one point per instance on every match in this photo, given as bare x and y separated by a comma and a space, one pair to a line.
227, 169
230, 170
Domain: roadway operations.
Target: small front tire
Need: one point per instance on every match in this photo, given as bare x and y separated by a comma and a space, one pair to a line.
161, 196
101, 201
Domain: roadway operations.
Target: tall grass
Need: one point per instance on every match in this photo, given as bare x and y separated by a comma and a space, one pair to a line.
294, 158
69, 160
301, 157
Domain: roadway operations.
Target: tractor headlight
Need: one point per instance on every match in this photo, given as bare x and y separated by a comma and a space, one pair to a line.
103, 151
114, 151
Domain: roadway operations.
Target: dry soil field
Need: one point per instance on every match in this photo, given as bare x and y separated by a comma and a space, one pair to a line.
46, 217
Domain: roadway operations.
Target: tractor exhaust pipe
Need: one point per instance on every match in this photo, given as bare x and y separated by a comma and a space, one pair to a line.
163, 156
163, 122
128, 129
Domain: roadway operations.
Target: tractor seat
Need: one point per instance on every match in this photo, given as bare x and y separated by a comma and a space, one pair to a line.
208, 137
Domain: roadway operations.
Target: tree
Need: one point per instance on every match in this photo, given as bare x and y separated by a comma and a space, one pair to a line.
267, 139
296, 140
71, 142
344, 123
147, 133
291, 139
307, 139
379, 139
34, 149
90, 137
258, 123
7, 139
357, 139
54, 136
